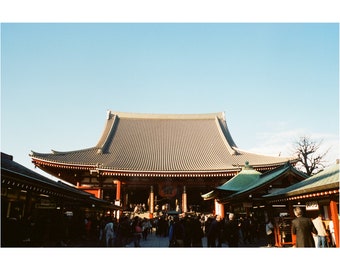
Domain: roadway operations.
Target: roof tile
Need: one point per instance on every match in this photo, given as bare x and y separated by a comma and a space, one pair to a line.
155, 142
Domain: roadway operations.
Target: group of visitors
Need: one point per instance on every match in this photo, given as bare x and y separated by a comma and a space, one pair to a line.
181, 230
119, 233
231, 231
188, 231
312, 232
185, 232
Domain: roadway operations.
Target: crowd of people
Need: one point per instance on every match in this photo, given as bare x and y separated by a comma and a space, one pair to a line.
181, 230
184, 230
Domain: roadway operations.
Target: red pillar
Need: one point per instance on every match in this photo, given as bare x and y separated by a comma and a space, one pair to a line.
222, 210
335, 219
151, 202
184, 200
118, 189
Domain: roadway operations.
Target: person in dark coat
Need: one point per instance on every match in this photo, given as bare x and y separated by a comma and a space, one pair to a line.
177, 233
213, 231
232, 231
197, 233
303, 228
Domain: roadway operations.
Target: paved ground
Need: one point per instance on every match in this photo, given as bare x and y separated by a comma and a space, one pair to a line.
160, 242
154, 241
163, 242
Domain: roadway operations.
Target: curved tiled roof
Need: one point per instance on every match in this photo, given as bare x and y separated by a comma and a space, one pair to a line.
248, 180
324, 180
133, 142
246, 177
242, 180
18, 176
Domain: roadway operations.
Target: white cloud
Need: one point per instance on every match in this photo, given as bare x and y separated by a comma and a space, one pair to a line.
282, 143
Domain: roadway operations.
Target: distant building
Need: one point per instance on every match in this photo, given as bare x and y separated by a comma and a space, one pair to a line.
157, 159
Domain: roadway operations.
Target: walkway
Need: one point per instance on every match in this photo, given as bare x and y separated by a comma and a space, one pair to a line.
155, 241
162, 242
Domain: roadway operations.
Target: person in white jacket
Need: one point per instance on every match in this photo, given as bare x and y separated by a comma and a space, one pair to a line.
331, 231
109, 233
320, 227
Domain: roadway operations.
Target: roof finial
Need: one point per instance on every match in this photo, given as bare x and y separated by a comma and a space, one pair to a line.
223, 115
247, 166
108, 114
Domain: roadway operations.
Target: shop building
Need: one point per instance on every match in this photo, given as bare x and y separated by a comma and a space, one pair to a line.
31, 201
318, 194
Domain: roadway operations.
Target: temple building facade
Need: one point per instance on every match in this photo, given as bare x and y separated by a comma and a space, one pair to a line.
160, 160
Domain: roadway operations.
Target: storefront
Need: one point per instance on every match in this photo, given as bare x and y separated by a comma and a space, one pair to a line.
29, 198
243, 194
318, 194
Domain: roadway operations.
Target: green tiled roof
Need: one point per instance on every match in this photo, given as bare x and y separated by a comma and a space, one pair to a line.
245, 178
249, 179
210, 195
324, 180
269, 177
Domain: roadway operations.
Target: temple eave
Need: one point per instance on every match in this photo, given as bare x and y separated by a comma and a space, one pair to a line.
107, 172
42, 163
169, 174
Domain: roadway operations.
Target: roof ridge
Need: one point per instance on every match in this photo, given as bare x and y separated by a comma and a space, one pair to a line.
225, 139
107, 133
167, 115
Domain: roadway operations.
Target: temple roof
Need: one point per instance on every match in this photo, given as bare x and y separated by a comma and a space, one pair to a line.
248, 180
247, 176
16, 173
132, 142
325, 180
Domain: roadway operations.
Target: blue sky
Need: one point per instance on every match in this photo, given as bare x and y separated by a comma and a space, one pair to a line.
274, 81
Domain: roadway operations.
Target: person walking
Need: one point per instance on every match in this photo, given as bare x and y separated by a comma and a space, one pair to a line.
147, 228
213, 231
197, 233
109, 233
176, 233
137, 231
303, 228
332, 233
232, 231
322, 233
270, 233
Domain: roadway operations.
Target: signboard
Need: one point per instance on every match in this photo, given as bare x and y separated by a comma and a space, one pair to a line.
45, 206
247, 204
167, 190
117, 202
312, 206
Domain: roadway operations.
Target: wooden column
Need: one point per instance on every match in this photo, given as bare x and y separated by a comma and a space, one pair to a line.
118, 189
151, 202
222, 210
8, 213
335, 219
291, 214
184, 200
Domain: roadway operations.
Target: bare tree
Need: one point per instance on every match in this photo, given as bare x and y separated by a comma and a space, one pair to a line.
311, 160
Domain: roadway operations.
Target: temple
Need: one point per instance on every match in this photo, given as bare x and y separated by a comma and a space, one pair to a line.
165, 160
